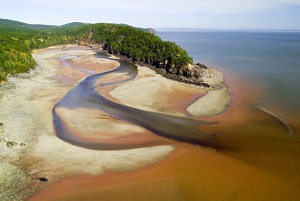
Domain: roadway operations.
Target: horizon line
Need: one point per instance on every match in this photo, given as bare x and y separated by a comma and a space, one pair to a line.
180, 28
229, 29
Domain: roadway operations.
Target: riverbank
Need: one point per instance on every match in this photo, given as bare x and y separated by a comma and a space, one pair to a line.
35, 157
251, 156
195, 74
152, 92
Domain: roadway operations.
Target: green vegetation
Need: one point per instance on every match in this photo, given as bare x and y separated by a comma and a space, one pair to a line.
17, 40
16, 47
15, 57
137, 45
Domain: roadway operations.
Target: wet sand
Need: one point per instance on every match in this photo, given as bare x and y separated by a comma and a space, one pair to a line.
252, 156
152, 92
190, 174
29, 147
256, 159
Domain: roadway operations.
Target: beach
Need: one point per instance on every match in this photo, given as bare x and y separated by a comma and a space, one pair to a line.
33, 154
241, 151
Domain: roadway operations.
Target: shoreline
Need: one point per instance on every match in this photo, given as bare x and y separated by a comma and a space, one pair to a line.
193, 101
209, 77
245, 156
43, 87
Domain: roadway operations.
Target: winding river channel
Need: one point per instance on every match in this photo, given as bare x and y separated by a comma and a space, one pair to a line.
243, 153
85, 95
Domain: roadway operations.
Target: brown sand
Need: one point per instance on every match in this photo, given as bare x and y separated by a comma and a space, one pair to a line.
152, 92
97, 128
29, 147
212, 103
190, 174
255, 160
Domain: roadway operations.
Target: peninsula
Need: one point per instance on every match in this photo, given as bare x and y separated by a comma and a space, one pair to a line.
136, 45
89, 99
112, 112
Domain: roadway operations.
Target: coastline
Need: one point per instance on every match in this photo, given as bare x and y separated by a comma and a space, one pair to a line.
44, 86
208, 77
245, 158
171, 97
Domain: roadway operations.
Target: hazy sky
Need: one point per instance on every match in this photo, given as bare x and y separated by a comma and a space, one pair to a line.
219, 14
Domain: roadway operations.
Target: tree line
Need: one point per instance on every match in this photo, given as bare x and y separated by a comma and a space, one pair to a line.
137, 45
16, 47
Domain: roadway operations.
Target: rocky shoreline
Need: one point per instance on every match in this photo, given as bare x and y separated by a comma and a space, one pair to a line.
196, 74
196, 80
26, 162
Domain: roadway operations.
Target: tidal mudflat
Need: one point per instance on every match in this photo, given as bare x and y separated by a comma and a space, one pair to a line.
227, 148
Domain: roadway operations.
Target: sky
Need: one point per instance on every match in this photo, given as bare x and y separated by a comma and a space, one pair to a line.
211, 14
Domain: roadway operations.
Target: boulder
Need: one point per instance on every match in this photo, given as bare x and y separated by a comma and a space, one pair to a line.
201, 65
11, 144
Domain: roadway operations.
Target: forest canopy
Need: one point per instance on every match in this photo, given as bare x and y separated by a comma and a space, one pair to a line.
17, 40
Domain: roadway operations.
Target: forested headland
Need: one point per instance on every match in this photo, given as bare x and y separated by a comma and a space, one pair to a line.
17, 40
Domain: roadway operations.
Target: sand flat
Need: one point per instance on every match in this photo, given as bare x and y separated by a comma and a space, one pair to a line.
152, 92
253, 159
27, 122
212, 103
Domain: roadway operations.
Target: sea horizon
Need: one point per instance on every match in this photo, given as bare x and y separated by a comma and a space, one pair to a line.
270, 58
227, 30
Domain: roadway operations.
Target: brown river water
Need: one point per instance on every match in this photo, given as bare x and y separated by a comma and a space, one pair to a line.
249, 152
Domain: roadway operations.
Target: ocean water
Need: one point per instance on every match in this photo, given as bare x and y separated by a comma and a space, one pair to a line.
260, 130
253, 156
271, 59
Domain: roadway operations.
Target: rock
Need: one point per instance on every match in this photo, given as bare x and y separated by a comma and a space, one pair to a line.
2, 140
190, 67
197, 73
190, 73
43, 179
11, 144
201, 65
162, 71
22, 144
